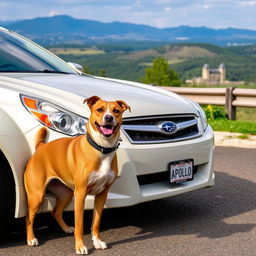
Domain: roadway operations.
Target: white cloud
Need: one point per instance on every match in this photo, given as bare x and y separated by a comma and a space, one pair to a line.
160, 13
206, 6
161, 22
167, 8
53, 13
127, 8
247, 3
176, 3
164, 1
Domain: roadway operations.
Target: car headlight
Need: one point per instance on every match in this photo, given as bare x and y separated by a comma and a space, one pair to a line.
203, 118
201, 114
55, 117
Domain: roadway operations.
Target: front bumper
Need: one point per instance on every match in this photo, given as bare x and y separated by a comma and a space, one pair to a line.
136, 160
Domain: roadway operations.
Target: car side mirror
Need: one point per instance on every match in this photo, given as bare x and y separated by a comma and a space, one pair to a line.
76, 66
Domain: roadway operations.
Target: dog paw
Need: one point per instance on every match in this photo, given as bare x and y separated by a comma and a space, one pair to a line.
69, 230
98, 244
33, 242
82, 250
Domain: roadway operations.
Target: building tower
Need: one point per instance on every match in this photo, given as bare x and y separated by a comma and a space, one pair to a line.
222, 71
205, 72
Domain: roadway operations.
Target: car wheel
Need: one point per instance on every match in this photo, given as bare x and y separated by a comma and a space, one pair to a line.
7, 199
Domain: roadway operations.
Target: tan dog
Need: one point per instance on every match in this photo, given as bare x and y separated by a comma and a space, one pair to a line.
85, 164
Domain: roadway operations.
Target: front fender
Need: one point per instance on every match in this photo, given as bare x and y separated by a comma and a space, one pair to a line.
16, 149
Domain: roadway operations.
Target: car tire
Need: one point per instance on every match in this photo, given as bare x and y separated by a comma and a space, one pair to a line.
7, 199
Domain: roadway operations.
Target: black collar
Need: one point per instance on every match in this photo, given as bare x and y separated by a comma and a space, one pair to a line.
100, 148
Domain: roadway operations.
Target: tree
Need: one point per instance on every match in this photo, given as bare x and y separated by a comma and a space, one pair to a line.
101, 72
161, 74
87, 70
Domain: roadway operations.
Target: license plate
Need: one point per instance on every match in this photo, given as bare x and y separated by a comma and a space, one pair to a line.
181, 171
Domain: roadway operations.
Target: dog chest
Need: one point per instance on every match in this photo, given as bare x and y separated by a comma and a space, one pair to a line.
104, 176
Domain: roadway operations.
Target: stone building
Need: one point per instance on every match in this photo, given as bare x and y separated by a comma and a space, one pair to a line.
215, 76
212, 76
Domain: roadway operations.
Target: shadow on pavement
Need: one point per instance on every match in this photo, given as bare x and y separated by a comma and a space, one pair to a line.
202, 213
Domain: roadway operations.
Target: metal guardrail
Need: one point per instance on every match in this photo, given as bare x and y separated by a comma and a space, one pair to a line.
229, 97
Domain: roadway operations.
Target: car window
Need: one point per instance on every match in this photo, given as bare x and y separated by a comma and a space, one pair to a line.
20, 55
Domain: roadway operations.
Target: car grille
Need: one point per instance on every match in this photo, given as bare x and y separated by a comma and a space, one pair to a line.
144, 130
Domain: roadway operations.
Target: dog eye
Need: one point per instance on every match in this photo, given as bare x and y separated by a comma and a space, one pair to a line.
116, 110
100, 110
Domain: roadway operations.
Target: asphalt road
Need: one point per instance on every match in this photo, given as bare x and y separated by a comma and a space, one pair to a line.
218, 221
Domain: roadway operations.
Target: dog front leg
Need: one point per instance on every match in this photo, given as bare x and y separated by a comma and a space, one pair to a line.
99, 203
80, 195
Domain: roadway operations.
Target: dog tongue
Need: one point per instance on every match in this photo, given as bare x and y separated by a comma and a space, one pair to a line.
106, 130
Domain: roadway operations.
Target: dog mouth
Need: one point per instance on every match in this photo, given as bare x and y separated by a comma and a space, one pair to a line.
106, 130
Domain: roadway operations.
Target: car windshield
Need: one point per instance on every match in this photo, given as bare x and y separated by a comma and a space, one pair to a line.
18, 54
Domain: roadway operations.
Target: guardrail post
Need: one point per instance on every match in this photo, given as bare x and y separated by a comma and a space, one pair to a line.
229, 106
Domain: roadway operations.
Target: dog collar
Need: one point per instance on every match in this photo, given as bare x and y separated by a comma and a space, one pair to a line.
100, 148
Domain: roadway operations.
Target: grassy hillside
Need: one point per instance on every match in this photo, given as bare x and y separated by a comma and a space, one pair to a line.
170, 52
76, 51
129, 60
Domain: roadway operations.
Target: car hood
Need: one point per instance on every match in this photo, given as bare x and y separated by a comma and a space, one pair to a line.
143, 99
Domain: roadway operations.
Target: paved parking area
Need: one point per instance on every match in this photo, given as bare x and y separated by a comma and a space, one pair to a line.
218, 221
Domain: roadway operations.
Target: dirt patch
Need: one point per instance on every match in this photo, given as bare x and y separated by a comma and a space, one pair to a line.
234, 140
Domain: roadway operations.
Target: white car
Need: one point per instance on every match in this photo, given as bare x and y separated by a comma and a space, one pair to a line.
166, 144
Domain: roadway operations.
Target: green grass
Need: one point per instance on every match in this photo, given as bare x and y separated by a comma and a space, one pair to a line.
246, 114
243, 137
245, 127
170, 62
76, 51
245, 122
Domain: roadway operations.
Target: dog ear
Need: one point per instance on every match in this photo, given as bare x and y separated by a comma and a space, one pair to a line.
123, 105
91, 101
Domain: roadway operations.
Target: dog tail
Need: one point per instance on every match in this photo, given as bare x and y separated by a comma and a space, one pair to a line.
40, 137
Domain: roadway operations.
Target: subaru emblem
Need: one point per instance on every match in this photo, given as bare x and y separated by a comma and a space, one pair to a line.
167, 127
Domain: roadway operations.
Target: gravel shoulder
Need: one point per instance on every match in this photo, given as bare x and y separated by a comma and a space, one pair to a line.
227, 139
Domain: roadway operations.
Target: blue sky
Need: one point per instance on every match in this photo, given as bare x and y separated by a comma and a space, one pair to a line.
158, 13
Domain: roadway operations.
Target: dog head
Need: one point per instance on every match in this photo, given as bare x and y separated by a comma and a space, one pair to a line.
106, 116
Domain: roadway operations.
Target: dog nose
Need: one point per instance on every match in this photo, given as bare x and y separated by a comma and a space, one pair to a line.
109, 118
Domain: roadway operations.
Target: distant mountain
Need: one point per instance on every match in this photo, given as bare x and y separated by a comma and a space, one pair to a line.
5, 23
65, 29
